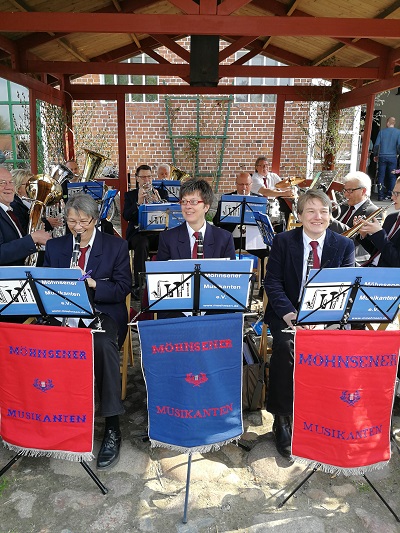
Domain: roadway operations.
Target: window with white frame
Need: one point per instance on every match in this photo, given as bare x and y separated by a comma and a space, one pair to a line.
260, 61
134, 79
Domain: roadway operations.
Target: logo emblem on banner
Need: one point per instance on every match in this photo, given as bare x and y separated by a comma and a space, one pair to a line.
43, 386
196, 380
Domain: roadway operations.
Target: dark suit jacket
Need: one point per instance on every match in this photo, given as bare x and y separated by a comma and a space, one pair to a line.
13, 248
21, 211
366, 209
285, 268
390, 249
109, 262
175, 243
131, 210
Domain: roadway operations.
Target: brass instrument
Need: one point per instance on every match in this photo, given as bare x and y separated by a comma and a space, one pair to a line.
43, 191
178, 174
151, 195
356, 228
92, 165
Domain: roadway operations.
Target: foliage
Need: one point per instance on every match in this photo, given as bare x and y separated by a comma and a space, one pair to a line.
3, 484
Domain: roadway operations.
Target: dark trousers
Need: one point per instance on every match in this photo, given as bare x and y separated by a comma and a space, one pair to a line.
280, 388
141, 243
386, 180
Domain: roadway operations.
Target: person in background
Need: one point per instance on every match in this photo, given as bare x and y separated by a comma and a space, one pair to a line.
287, 271
106, 259
141, 242
21, 204
163, 172
383, 240
386, 152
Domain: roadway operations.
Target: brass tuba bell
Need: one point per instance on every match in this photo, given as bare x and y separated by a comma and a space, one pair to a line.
92, 166
178, 174
43, 191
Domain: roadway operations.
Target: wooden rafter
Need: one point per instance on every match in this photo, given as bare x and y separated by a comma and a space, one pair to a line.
227, 7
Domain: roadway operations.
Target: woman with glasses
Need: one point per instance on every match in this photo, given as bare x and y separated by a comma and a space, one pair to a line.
195, 198
104, 259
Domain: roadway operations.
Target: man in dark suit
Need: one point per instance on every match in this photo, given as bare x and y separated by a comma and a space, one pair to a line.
106, 258
15, 245
195, 197
357, 191
286, 275
141, 242
383, 241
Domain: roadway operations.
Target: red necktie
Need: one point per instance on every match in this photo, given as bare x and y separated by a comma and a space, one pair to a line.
316, 261
81, 260
14, 218
348, 214
194, 251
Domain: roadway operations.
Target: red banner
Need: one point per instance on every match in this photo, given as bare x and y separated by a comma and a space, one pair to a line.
46, 390
344, 384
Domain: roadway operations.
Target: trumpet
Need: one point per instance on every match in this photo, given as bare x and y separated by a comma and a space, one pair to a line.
151, 195
356, 228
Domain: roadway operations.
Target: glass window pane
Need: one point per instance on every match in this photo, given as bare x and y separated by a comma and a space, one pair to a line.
285, 81
241, 98
270, 98
137, 79
258, 60
256, 98
109, 79
3, 90
21, 117
242, 81
150, 80
136, 59
150, 97
136, 97
5, 143
257, 81
122, 79
270, 81
148, 59
4, 117
19, 93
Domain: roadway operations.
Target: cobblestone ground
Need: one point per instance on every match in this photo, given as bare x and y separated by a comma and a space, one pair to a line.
231, 490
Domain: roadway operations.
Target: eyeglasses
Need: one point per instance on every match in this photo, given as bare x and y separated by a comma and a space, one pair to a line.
82, 223
350, 191
148, 177
396, 194
3, 183
191, 202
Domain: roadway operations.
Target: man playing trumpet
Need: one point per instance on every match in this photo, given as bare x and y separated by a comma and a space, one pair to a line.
383, 241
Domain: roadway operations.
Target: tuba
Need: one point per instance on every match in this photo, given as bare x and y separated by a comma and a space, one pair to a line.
43, 191
92, 166
178, 174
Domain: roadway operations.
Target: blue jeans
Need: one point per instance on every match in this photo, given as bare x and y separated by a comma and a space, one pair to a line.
386, 163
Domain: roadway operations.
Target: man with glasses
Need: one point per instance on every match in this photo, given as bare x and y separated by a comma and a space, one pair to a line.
106, 259
15, 245
357, 191
383, 241
195, 197
141, 242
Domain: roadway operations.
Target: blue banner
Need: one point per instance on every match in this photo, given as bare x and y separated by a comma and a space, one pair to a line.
193, 372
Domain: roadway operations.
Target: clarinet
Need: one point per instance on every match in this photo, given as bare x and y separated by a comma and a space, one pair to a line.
200, 254
73, 264
76, 251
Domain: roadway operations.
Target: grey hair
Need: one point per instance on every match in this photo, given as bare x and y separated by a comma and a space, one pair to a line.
164, 165
363, 179
83, 203
18, 176
313, 194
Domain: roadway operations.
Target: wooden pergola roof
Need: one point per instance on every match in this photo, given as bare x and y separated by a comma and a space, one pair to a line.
44, 43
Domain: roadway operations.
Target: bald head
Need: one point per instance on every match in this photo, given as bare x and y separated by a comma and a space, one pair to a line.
243, 183
390, 123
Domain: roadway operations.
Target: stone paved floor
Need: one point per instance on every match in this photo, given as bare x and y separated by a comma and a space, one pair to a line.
231, 490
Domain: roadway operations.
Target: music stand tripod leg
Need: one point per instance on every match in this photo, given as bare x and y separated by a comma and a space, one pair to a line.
103, 489
189, 465
381, 498
298, 486
10, 463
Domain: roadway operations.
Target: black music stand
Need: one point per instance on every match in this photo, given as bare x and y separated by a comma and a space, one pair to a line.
33, 294
350, 295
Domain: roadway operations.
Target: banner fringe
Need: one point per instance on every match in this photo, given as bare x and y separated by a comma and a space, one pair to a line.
194, 449
338, 470
54, 454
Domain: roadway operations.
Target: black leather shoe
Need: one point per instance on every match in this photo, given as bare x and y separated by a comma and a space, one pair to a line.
282, 430
109, 450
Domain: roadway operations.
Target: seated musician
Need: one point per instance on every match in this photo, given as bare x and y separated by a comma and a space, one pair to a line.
285, 277
141, 241
264, 183
383, 241
195, 197
15, 244
106, 259
163, 172
357, 191
243, 186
